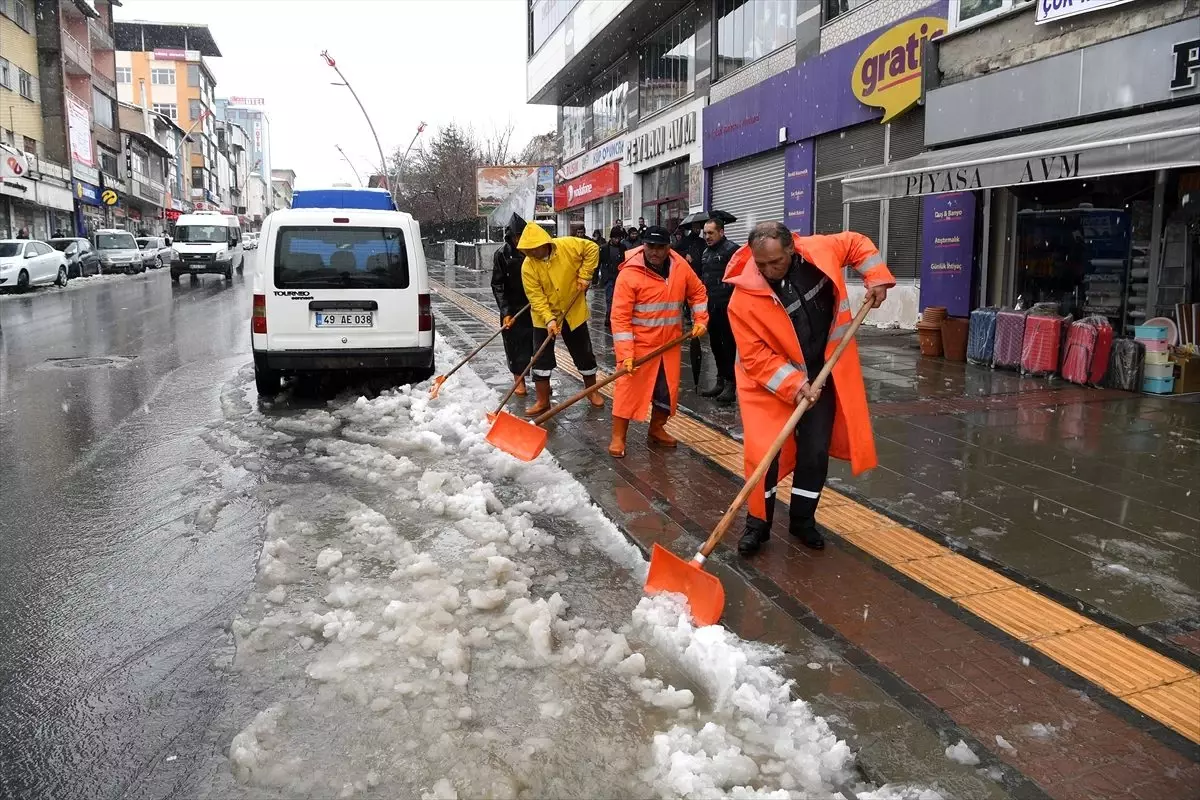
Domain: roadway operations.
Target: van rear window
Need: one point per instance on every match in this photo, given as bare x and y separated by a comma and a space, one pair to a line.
340, 257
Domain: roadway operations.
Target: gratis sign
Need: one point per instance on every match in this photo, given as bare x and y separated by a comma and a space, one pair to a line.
888, 73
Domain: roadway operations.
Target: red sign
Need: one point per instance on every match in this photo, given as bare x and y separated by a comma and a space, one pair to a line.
171, 214
589, 186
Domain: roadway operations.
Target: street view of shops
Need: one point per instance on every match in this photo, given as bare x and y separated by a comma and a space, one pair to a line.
690, 399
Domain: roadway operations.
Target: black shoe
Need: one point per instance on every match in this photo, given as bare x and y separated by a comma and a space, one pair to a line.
808, 534
752, 540
716, 389
728, 394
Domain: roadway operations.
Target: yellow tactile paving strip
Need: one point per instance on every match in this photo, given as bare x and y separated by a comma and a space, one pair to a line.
1153, 684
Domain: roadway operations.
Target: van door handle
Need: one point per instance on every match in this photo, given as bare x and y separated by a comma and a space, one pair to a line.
330, 305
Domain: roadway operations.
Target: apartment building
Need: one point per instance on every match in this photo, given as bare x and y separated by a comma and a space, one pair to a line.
283, 182
232, 145
251, 114
164, 64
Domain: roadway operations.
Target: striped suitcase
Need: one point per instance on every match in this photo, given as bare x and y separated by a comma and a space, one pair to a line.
1010, 334
981, 336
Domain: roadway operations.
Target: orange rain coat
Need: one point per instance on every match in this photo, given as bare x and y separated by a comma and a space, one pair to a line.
770, 367
647, 312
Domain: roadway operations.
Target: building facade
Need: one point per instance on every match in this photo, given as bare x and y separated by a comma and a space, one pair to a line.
250, 113
164, 65
283, 183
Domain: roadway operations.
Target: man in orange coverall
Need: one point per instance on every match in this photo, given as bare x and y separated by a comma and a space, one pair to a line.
647, 312
788, 312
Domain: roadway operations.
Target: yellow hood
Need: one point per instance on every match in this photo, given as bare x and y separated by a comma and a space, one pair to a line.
533, 237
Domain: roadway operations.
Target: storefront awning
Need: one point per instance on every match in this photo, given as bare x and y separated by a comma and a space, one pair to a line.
1158, 140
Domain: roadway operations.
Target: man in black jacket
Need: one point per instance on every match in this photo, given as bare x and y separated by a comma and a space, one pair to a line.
509, 292
720, 336
633, 238
612, 253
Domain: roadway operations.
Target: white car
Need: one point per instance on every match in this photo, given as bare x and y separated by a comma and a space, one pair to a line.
341, 289
26, 262
250, 241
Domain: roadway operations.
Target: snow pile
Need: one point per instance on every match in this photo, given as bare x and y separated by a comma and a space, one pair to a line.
437, 619
962, 754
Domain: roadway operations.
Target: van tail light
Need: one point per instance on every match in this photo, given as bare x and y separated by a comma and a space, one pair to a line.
424, 313
258, 320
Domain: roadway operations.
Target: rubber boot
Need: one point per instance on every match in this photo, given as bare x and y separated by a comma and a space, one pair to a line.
616, 446
805, 529
521, 390
595, 398
757, 532
542, 390
715, 389
658, 429
728, 394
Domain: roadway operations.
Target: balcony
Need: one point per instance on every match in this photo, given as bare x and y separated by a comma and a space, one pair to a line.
148, 192
78, 56
104, 83
101, 38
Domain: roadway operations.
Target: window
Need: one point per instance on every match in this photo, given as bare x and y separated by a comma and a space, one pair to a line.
26, 84
102, 108
169, 110
194, 75
609, 113
972, 12
574, 116
162, 77
108, 163
137, 162
19, 14
311, 257
194, 110
124, 75
30, 145
544, 17
835, 8
5, 74
667, 65
747, 30
197, 177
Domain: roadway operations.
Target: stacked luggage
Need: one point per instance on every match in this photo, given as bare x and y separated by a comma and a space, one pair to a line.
1158, 375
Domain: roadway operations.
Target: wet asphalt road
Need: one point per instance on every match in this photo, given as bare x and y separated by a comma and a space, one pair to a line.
125, 544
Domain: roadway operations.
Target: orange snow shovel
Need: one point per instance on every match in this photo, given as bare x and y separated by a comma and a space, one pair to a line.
440, 379
704, 593
526, 440
492, 415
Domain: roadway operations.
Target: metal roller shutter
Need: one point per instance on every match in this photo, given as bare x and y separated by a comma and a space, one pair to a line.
751, 190
904, 237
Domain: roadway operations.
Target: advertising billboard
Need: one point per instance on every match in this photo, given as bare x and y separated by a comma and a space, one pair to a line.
79, 120
496, 186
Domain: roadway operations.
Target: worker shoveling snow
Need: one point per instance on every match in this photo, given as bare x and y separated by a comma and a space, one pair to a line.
433, 618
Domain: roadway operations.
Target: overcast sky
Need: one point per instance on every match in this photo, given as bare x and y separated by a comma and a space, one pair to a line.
439, 61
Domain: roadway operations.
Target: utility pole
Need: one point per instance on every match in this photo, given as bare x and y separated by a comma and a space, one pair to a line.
382, 159
351, 165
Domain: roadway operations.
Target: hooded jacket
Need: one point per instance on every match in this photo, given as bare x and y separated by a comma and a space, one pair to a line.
507, 286
770, 367
647, 312
550, 284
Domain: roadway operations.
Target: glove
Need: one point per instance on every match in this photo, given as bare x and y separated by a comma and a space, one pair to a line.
583, 284
629, 368
552, 328
508, 321
698, 330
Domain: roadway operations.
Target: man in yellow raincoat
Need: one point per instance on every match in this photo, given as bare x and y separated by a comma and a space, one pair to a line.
557, 274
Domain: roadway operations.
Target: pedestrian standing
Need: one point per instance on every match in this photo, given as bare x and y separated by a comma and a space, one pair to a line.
23, 233
713, 261
641, 226
788, 312
556, 274
509, 291
652, 287
612, 253
633, 238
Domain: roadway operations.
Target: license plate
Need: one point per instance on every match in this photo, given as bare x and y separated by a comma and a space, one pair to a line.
345, 319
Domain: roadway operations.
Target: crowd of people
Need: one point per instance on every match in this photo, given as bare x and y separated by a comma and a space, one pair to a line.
774, 311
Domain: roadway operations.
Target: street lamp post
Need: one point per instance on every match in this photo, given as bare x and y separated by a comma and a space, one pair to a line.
349, 164
382, 159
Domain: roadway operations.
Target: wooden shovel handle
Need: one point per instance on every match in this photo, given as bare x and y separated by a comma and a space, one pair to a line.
598, 385
521, 378
485, 343
784, 434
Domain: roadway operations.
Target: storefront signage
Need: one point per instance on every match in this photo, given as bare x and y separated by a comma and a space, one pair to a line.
79, 120
947, 252
172, 214
109, 197
246, 101
662, 139
798, 188
1055, 10
810, 99
543, 203
86, 193
1013, 173
888, 73
175, 54
609, 151
588, 187
1187, 62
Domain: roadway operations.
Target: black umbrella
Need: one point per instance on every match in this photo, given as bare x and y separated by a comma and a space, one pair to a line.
698, 216
516, 226
724, 217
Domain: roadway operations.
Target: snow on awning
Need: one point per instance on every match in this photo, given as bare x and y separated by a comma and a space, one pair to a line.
1141, 143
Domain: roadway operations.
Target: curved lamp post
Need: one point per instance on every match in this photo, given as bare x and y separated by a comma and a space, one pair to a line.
382, 160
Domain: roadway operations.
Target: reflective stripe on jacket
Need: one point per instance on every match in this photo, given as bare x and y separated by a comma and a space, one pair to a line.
551, 283
647, 312
770, 369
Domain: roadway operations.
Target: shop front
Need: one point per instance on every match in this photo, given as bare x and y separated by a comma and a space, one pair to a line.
89, 210
662, 170
592, 216
592, 200
1087, 214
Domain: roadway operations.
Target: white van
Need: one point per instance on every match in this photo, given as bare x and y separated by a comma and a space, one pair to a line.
340, 289
207, 242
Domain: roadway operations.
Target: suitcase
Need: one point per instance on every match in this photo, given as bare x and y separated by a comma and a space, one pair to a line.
1100, 357
1010, 333
1125, 365
981, 336
1081, 346
1039, 349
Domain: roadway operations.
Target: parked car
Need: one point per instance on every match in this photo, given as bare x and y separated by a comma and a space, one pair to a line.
156, 251
118, 251
250, 241
25, 263
82, 258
